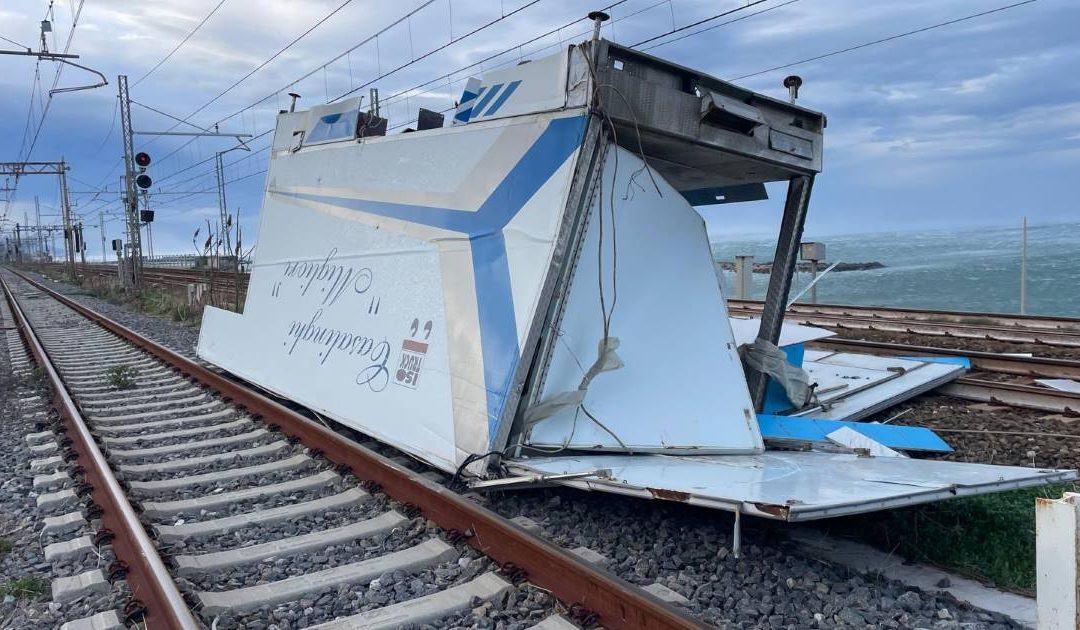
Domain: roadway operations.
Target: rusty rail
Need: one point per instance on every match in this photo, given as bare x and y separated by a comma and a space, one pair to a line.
150, 581
614, 602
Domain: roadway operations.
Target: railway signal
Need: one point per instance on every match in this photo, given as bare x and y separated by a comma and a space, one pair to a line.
142, 160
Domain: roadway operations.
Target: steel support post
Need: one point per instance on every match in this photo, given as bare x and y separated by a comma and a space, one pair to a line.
783, 269
131, 197
69, 232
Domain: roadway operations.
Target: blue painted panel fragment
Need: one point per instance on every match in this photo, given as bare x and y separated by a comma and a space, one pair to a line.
963, 361
894, 436
776, 400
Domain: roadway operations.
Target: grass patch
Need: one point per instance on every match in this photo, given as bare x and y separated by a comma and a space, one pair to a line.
5, 546
121, 376
24, 587
989, 537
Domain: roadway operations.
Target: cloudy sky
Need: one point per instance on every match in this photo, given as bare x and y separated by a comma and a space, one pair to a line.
971, 124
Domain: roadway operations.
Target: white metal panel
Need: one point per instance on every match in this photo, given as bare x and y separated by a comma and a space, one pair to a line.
535, 86
682, 387
424, 219
854, 386
746, 330
331, 327
791, 486
1057, 562
1060, 384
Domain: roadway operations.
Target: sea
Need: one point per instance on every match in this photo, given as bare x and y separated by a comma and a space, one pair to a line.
962, 269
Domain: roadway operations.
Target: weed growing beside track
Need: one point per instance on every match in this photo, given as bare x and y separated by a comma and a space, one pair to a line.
990, 538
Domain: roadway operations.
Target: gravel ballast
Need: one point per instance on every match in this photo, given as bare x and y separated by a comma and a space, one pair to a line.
688, 550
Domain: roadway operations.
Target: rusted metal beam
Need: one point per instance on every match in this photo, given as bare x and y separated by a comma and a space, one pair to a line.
616, 603
148, 577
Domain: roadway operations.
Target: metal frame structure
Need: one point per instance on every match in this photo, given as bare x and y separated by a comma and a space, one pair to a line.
21, 169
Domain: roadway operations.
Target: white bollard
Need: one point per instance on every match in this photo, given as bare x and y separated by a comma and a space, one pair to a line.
1057, 551
744, 273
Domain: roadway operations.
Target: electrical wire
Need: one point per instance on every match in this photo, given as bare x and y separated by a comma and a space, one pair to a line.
404, 93
383, 75
11, 41
180, 45
716, 26
265, 63
700, 22
884, 39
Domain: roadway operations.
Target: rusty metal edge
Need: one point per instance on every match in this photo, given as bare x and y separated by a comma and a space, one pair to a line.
149, 579
616, 603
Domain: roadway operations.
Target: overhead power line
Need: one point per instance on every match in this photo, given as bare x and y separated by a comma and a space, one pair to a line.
270, 59
884, 40
699, 22
179, 45
339, 56
716, 26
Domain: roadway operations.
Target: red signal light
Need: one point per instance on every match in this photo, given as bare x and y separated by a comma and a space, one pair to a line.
142, 159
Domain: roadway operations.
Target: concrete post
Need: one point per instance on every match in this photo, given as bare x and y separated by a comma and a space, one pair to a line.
1057, 552
744, 276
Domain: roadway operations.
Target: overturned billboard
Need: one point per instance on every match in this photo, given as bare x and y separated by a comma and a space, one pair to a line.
531, 283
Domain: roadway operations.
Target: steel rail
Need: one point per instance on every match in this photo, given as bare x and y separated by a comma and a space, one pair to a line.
1038, 367
1041, 322
614, 602
1013, 395
1015, 334
149, 578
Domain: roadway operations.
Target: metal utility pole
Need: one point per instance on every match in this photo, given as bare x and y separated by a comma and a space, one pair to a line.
1023, 270
131, 197
81, 242
65, 209
18, 245
222, 208
101, 224
37, 220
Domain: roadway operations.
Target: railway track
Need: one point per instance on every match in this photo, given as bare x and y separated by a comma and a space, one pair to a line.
227, 506
994, 320
1015, 392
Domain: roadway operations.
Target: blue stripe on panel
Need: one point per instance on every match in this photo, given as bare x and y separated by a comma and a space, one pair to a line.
485, 99
467, 97
502, 98
498, 326
494, 296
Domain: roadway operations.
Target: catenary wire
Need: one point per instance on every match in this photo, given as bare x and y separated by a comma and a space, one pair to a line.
179, 45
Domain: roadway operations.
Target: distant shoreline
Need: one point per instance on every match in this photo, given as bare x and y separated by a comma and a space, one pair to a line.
766, 267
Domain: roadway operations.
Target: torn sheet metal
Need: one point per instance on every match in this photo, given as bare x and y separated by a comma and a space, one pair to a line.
679, 386
745, 330
1060, 384
855, 441
791, 486
853, 386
